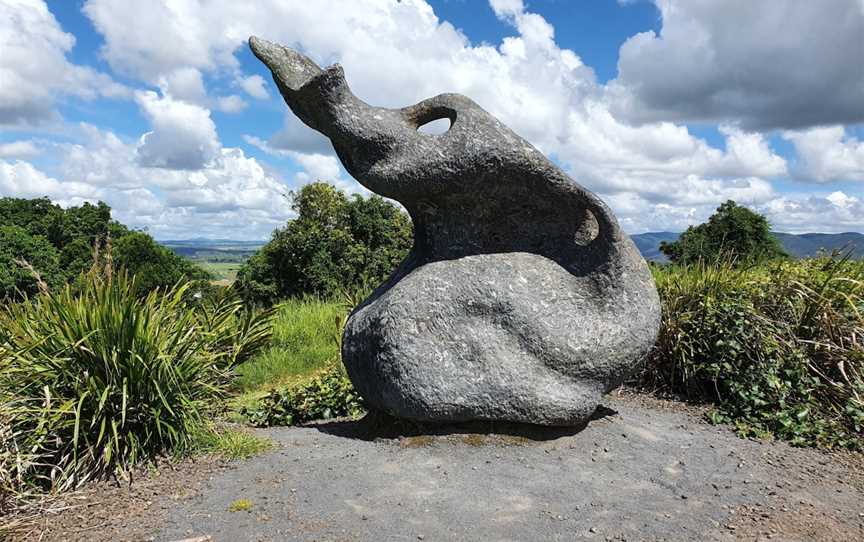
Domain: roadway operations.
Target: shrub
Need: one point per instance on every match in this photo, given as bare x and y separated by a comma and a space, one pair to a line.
154, 265
732, 232
776, 347
329, 394
60, 243
233, 332
97, 381
335, 244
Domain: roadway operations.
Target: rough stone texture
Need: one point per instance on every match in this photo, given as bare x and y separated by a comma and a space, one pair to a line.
522, 299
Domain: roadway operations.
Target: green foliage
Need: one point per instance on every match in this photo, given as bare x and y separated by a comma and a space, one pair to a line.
335, 244
154, 265
733, 232
306, 336
776, 347
61, 244
95, 381
61, 226
233, 331
329, 394
19, 248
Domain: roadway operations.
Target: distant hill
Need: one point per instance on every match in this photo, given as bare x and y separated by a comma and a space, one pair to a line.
649, 244
214, 250
798, 245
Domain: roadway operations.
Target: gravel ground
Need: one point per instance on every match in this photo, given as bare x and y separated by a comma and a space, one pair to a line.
646, 469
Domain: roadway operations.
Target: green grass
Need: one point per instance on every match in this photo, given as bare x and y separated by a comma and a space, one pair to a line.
240, 505
102, 379
231, 443
306, 336
221, 270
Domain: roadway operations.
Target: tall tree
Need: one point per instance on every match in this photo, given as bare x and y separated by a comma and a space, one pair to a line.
17, 247
335, 244
733, 232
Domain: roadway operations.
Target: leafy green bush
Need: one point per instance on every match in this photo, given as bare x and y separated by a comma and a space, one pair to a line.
776, 347
335, 244
98, 380
234, 332
61, 244
733, 232
17, 250
329, 394
154, 265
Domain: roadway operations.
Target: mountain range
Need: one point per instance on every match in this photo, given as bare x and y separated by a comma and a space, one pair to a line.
802, 245
798, 245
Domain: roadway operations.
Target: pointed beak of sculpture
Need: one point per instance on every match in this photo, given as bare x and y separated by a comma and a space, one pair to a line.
290, 68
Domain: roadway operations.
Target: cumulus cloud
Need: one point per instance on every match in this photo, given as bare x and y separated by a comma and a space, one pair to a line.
230, 104
232, 195
183, 135
827, 154
779, 64
803, 213
19, 149
20, 179
397, 53
34, 69
254, 86
620, 140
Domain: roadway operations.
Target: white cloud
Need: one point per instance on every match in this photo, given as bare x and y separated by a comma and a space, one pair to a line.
803, 213
656, 174
232, 195
34, 70
21, 180
230, 104
183, 135
19, 149
507, 8
397, 53
186, 84
827, 154
778, 64
324, 167
254, 86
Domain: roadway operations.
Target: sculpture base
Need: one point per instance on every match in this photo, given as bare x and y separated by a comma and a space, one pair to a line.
502, 337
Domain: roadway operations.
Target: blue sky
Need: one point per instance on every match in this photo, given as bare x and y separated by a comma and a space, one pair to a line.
664, 108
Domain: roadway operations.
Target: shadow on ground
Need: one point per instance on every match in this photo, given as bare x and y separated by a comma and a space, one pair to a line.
378, 425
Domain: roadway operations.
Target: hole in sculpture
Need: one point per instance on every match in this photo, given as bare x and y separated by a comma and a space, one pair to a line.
435, 127
588, 229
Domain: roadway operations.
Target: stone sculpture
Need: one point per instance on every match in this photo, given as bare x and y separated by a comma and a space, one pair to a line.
521, 300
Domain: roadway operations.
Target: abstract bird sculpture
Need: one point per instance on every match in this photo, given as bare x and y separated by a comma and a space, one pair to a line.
521, 300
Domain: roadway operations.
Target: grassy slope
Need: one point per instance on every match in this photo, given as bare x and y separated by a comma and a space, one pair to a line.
306, 336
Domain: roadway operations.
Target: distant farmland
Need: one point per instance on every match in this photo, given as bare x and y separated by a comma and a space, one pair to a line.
221, 257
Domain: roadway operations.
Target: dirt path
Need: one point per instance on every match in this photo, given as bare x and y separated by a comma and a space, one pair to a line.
647, 470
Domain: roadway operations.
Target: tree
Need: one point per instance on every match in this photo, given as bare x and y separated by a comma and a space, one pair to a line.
335, 244
72, 235
154, 265
17, 246
39, 217
733, 232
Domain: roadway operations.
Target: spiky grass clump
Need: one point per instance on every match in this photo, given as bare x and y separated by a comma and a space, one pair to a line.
778, 347
97, 380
